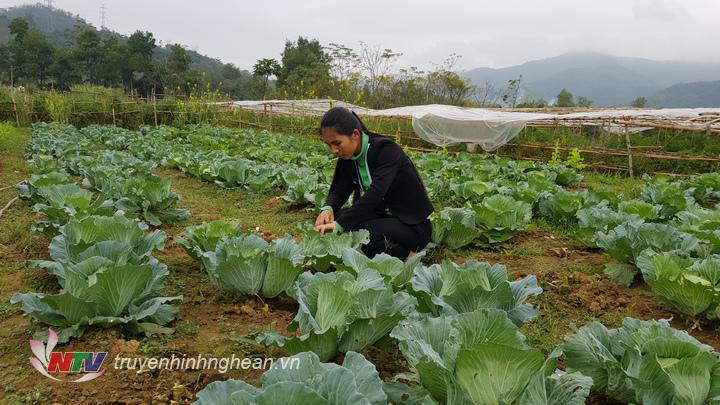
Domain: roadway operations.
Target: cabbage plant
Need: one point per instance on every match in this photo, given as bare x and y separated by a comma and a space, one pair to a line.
600, 218
454, 227
249, 265
480, 357
203, 238
324, 251
701, 223
240, 172
303, 380
500, 217
117, 238
645, 362
627, 241
152, 198
99, 292
67, 201
30, 190
688, 284
449, 289
339, 312
669, 195
394, 271
561, 206
705, 187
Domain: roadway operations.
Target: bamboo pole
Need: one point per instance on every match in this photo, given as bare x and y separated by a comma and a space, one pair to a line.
629, 152
154, 99
612, 153
17, 117
397, 132
8, 205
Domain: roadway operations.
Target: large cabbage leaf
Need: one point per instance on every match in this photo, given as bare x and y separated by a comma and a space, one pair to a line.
303, 380
325, 251
454, 227
688, 284
249, 265
500, 217
450, 288
340, 312
645, 362
205, 237
98, 292
480, 357
394, 271
116, 238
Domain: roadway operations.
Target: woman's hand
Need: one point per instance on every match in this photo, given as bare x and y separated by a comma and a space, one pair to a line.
325, 228
325, 217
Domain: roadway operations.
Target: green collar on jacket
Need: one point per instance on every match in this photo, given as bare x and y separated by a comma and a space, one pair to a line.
364, 148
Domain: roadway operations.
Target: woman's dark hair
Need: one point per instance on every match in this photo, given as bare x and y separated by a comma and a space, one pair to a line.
344, 121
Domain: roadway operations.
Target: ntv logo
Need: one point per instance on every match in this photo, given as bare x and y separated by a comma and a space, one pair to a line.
47, 361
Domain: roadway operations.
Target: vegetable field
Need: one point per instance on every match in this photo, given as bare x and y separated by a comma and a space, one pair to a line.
541, 286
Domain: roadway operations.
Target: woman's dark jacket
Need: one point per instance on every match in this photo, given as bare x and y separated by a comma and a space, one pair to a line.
396, 186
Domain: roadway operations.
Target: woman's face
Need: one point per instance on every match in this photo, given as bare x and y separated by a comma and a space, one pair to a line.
342, 146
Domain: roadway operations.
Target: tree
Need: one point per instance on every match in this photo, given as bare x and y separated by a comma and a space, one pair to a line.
565, 99
486, 95
639, 102
265, 68
87, 54
305, 69
447, 87
178, 61
376, 63
230, 72
344, 62
584, 102
141, 44
19, 27
529, 102
5, 56
513, 92
38, 56
176, 72
139, 75
62, 70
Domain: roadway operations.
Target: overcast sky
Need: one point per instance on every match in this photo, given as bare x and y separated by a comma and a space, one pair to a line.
486, 33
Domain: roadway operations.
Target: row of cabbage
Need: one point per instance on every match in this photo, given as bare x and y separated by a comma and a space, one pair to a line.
670, 235
361, 303
101, 253
481, 358
456, 325
494, 197
498, 194
116, 174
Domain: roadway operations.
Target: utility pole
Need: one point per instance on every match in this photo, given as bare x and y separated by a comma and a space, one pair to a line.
49, 4
102, 15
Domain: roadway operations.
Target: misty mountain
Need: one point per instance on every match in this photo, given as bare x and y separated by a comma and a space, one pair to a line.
605, 79
688, 95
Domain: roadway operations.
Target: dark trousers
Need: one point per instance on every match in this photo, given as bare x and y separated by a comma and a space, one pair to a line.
390, 235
